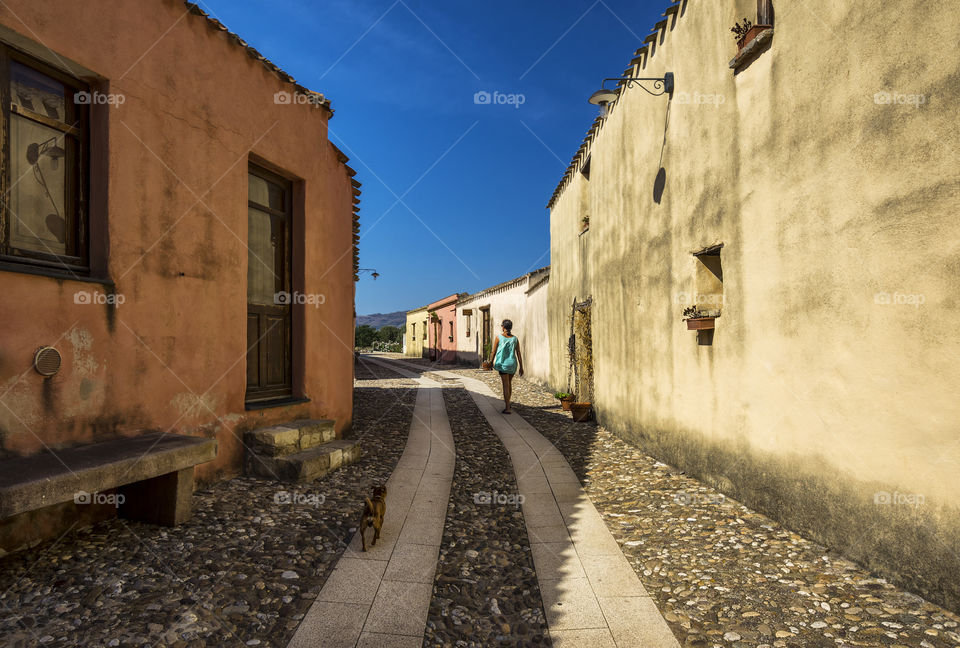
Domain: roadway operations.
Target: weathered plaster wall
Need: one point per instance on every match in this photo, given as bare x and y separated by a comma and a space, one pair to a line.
815, 394
172, 356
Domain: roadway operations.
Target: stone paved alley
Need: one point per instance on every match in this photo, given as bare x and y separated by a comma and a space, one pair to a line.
249, 569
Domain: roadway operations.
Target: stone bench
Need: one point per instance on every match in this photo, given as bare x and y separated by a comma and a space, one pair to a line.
153, 473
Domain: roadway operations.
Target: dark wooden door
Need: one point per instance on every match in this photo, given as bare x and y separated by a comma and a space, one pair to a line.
487, 337
268, 287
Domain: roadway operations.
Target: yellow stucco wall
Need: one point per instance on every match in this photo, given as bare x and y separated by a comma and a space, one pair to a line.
414, 333
829, 168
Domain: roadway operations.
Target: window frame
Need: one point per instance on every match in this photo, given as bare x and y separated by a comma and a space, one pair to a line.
76, 260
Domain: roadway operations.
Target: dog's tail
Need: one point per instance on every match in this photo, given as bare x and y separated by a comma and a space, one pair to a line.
369, 505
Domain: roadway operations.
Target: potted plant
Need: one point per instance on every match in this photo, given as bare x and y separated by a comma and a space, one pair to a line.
486, 364
747, 32
581, 411
699, 320
565, 400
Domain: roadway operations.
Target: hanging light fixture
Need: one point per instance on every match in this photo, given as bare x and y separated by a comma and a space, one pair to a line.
606, 96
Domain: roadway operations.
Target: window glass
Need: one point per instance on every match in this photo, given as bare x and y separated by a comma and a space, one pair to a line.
37, 92
38, 186
266, 236
266, 193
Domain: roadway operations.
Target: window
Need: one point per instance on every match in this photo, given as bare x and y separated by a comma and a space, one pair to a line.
765, 12
413, 332
709, 288
44, 221
451, 330
424, 329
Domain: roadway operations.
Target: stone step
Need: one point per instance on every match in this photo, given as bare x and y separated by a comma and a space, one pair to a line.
290, 438
305, 465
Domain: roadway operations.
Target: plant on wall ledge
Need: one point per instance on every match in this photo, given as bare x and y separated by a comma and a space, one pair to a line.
699, 319
747, 32
740, 31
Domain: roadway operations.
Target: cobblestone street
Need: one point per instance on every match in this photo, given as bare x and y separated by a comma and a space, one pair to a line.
243, 571
723, 575
246, 569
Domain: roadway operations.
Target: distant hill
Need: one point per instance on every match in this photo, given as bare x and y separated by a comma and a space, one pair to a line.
383, 319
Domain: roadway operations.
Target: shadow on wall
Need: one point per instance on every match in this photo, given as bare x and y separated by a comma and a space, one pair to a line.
660, 182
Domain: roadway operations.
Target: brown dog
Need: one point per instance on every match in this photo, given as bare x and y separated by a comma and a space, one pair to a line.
373, 512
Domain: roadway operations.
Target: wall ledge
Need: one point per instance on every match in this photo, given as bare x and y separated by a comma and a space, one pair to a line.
752, 48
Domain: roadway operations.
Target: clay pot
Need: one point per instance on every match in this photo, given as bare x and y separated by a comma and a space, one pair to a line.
700, 323
581, 411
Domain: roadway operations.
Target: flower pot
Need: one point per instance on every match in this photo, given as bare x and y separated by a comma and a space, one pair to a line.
700, 323
566, 402
581, 411
752, 33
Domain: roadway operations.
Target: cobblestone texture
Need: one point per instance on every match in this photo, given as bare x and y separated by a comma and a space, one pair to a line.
485, 592
721, 574
243, 571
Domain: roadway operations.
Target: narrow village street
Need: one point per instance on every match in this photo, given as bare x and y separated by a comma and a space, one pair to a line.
583, 325
258, 556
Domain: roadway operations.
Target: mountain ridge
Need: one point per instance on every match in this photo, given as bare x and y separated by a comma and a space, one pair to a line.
378, 320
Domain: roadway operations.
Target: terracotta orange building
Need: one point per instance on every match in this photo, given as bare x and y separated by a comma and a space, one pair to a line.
179, 234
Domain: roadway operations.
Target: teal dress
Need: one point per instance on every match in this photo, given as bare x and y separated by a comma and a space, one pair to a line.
506, 360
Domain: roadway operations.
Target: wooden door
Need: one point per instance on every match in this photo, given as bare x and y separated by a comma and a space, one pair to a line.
487, 337
268, 287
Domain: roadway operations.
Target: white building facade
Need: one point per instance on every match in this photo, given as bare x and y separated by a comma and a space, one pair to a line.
523, 301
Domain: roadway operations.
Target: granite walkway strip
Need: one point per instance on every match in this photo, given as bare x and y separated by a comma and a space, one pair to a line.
591, 594
381, 597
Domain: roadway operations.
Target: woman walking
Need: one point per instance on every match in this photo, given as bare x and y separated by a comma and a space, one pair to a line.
507, 360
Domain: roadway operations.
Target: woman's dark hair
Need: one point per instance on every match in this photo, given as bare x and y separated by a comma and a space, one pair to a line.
507, 324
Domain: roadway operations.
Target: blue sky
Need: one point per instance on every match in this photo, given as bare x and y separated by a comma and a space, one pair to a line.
454, 191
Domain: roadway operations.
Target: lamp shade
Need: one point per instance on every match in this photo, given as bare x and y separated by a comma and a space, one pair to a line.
604, 96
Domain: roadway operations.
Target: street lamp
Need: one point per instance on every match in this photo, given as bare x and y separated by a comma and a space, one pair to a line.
373, 273
606, 96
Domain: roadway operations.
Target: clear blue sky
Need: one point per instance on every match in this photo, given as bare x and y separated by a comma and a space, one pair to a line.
473, 179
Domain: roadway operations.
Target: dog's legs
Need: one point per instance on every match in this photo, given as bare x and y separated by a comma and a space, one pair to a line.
376, 534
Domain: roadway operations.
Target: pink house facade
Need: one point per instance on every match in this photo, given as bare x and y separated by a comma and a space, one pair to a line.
442, 330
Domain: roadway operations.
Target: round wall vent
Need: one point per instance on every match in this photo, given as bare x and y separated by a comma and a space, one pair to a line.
46, 361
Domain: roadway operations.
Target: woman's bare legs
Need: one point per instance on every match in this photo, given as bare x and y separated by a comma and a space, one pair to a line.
507, 380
